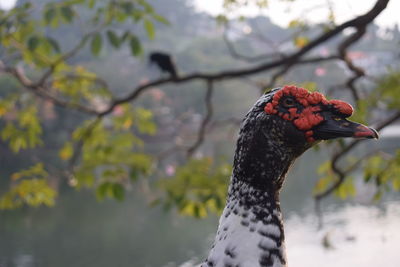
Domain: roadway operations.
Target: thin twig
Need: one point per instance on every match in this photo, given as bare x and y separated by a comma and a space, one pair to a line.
358, 71
206, 119
287, 67
252, 59
67, 55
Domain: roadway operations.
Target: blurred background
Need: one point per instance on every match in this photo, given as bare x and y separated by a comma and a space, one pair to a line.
143, 183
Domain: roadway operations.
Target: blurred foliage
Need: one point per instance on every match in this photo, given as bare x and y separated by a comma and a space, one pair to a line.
388, 91
111, 150
380, 168
235, 4
22, 129
383, 171
29, 187
81, 44
197, 188
345, 190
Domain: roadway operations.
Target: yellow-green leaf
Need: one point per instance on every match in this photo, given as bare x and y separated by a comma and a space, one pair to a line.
149, 27
66, 151
96, 44
301, 41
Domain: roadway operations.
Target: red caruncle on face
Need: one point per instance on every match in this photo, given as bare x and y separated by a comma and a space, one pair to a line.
308, 116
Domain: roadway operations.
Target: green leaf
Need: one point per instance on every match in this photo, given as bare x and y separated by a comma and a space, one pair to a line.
125, 36
113, 39
33, 43
32, 192
102, 190
197, 187
161, 19
145, 123
147, 7
36, 171
67, 13
346, 189
294, 23
133, 175
50, 14
301, 41
136, 48
91, 3
112, 190
29, 187
396, 183
54, 44
118, 192
149, 27
84, 178
96, 44
25, 133
222, 20
67, 151
127, 7
377, 196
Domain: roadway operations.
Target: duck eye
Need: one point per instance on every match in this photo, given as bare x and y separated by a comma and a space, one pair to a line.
288, 102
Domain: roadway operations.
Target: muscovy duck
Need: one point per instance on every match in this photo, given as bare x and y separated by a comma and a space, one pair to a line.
281, 126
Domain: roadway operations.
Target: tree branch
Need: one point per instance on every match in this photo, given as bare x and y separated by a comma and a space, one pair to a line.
252, 59
206, 119
40, 92
358, 71
289, 60
359, 21
286, 62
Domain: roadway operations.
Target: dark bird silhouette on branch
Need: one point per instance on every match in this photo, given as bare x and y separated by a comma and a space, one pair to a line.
164, 62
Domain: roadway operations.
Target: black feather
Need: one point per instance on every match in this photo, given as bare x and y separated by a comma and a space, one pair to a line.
164, 62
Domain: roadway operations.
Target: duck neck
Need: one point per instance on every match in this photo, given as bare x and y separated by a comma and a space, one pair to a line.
251, 230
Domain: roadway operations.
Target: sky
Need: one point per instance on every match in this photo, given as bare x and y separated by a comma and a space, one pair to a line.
282, 13
6, 4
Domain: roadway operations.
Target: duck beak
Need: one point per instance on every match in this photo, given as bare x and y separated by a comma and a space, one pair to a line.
340, 127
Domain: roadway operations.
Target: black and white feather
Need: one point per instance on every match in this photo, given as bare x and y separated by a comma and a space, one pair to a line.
250, 231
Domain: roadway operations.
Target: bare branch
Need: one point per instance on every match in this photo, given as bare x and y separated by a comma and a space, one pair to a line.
206, 119
289, 60
286, 68
252, 59
358, 71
